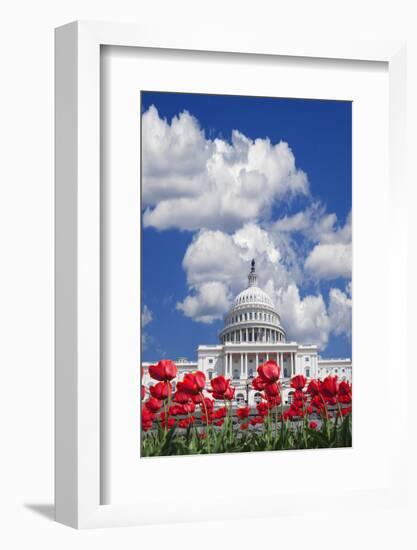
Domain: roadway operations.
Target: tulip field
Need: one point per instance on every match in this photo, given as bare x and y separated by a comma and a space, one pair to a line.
199, 419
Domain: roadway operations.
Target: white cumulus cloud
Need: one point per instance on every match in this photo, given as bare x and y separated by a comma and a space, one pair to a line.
330, 261
208, 303
340, 311
305, 319
190, 182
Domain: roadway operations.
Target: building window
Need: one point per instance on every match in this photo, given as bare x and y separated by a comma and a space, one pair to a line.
308, 373
257, 397
307, 359
210, 374
210, 361
250, 373
236, 374
240, 398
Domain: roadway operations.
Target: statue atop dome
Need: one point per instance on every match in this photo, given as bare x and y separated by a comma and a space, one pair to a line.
252, 277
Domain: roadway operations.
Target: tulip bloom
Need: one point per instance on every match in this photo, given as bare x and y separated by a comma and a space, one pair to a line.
313, 387
147, 415
147, 419
243, 412
262, 408
220, 385
298, 382
269, 372
193, 383
230, 393
220, 413
258, 383
274, 400
271, 390
345, 393
244, 426
313, 425
153, 404
257, 420
161, 390
181, 397
188, 407
164, 371
329, 387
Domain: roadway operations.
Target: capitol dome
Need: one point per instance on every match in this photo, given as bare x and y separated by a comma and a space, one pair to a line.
252, 317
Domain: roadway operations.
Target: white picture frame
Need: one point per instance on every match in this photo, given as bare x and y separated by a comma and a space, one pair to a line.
77, 239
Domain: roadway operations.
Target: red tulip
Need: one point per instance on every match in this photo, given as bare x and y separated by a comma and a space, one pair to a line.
220, 413
188, 408
274, 400
165, 370
313, 425
219, 422
209, 403
147, 419
147, 414
328, 387
243, 412
317, 402
230, 393
269, 372
181, 397
257, 420
262, 408
298, 382
271, 390
193, 383
153, 404
258, 383
183, 423
313, 387
345, 393
219, 385
244, 426
161, 390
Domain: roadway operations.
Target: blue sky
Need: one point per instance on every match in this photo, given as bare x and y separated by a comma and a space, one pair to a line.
294, 217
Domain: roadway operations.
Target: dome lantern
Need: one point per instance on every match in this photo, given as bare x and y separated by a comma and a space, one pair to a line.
252, 277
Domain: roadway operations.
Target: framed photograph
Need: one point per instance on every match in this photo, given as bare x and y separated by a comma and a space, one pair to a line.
228, 220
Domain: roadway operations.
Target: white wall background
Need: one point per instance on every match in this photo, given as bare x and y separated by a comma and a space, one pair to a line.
26, 270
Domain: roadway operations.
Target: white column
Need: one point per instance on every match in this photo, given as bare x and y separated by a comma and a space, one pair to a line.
242, 372
257, 361
267, 356
246, 364
246, 334
292, 364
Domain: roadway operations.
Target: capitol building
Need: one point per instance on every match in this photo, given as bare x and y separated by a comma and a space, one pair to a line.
252, 334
